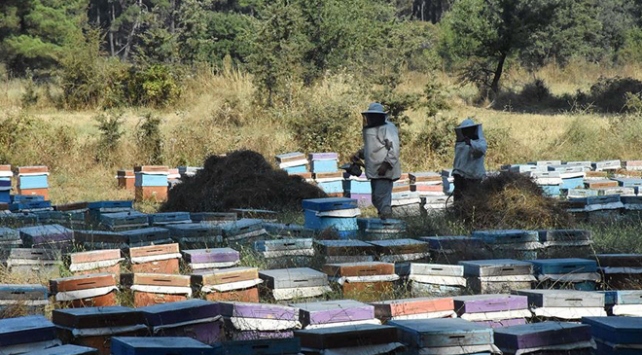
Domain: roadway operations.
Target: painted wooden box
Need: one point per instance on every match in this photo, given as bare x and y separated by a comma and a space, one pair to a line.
243, 230
436, 279
377, 229
445, 334
9, 238
34, 261
620, 271
400, 250
498, 275
211, 259
564, 304
67, 349
194, 318
95, 262
286, 346
162, 259
95, 326
616, 330
23, 334
52, 236
569, 273
23, 299
155, 288
245, 321
446, 249
288, 230
548, 336
159, 346
231, 284
495, 310
118, 221
414, 308
213, 217
147, 236
97, 290
363, 280
353, 336
335, 313
195, 235
286, 284
165, 218
349, 250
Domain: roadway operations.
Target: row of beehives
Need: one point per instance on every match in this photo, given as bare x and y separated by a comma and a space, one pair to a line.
153, 274
523, 322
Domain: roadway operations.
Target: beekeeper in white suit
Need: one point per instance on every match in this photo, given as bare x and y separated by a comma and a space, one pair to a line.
470, 150
381, 155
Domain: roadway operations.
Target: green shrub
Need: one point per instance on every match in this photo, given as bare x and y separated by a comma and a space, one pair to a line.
435, 141
155, 86
609, 94
110, 127
149, 140
327, 127
30, 96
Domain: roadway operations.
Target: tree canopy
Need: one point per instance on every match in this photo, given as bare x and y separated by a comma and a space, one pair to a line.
283, 42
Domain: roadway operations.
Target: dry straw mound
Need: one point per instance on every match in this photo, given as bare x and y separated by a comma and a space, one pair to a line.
510, 200
241, 179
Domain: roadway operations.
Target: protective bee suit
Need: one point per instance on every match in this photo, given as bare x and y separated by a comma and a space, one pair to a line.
381, 155
470, 150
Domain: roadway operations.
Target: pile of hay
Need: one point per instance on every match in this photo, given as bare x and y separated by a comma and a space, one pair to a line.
241, 179
510, 200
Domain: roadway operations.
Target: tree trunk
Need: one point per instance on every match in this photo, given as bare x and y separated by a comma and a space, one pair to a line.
494, 86
111, 31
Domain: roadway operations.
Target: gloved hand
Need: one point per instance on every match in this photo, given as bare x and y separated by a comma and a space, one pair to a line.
355, 158
467, 140
385, 166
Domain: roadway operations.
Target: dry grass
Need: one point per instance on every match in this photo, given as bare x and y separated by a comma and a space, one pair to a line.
217, 114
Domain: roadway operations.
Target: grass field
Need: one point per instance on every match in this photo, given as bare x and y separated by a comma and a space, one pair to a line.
217, 114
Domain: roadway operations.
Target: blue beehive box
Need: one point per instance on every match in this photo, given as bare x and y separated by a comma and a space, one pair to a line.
96, 208
546, 336
195, 235
33, 182
31, 206
346, 226
69, 219
329, 204
572, 181
32, 299
566, 273
288, 230
360, 187
26, 330
164, 218
297, 169
377, 229
111, 206
52, 236
623, 302
20, 219
616, 330
445, 334
26, 198
146, 236
521, 243
5, 190
338, 213
159, 346
242, 229
324, 166
331, 187
123, 220
506, 236
285, 346
142, 179
67, 349
9, 238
